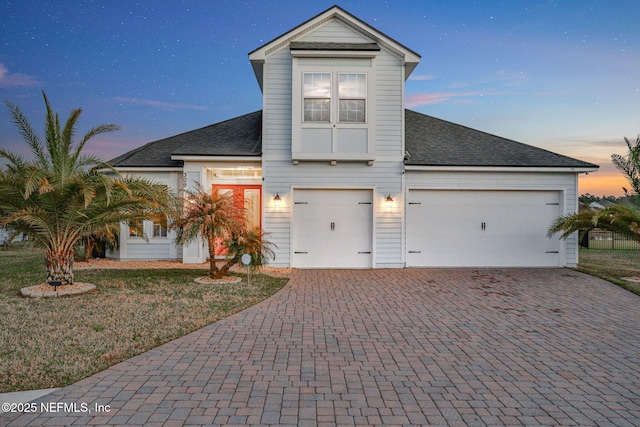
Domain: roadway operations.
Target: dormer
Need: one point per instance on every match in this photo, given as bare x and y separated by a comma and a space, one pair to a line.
335, 85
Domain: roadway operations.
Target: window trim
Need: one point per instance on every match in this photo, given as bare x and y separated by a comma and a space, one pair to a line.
353, 98
311, 97
335, 98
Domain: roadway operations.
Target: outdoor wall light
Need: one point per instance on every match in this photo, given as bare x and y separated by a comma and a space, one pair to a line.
389, 201
277, 200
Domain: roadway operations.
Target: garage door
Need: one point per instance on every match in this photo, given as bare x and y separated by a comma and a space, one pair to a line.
332, 229
481, 228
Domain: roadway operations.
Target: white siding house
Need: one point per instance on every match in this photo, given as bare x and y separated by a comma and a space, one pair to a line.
342, 176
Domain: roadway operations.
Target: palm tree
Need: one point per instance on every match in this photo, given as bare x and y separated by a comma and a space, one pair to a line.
620, 219
221, 221
62, 196
630, 166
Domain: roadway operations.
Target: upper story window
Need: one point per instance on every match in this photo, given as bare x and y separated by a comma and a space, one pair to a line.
317, 97
351, 94
334, 103
352, 90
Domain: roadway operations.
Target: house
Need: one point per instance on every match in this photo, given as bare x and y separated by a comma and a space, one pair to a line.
342, 176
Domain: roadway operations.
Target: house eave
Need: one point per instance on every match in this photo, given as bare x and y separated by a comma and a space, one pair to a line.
193, 158
334, 54
148, 168
538, 169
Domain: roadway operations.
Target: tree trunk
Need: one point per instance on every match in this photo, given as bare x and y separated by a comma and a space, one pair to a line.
214, 273
227, 265
59, 266
89, 243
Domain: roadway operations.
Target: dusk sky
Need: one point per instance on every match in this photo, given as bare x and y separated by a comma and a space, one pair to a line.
560, 75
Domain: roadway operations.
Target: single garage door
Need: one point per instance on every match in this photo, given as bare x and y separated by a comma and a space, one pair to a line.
482, 228
332, 228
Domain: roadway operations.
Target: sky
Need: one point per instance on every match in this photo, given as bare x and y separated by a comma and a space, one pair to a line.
560, 75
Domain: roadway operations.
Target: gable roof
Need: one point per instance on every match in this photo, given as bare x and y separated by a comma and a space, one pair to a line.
434, 142
240, 136
258, 56
428, 140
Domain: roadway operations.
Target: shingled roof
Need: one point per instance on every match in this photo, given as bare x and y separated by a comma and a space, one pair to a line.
429, 142
240, 136
435, 142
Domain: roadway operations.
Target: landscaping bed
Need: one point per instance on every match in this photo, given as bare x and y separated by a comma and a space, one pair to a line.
53, 342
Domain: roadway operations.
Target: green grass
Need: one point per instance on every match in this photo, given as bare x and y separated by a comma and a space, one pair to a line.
55, 342
612, 266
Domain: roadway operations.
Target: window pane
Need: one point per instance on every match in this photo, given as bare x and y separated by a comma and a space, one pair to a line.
136, 229
160, 227
317, 85
159, 231
352, 110
352, 85
317, 97
317, 110
352, 90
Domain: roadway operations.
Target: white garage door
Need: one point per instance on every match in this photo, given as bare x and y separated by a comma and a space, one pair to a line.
481, 228
332, 229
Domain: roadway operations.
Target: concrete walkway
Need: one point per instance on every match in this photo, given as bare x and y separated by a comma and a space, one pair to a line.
386, 347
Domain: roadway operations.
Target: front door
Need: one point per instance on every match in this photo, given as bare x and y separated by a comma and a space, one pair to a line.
250, 198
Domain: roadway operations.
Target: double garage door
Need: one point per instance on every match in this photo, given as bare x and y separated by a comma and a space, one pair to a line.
481, 228
444, 228
332, 229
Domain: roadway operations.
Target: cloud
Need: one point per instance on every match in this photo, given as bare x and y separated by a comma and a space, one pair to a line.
16, 79
416, 100
159, 104
609, 145
423, 77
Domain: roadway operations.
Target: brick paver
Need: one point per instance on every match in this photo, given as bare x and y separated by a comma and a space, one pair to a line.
473, 347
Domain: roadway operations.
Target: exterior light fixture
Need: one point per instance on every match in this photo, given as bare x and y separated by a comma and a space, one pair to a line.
389, 201
277, 200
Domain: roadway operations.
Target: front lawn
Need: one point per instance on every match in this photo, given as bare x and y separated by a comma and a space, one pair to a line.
612, 266
55, 342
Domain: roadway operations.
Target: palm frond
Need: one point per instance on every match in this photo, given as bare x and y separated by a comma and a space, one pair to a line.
96, 131
617, 218
629, 164
16, 162
28, 134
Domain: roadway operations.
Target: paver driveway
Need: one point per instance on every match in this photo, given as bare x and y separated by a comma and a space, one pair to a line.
393, 347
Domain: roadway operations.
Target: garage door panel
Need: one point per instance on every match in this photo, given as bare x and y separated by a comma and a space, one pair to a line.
481, 228
332, 229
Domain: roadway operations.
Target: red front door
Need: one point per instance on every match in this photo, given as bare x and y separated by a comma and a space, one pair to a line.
250, 198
